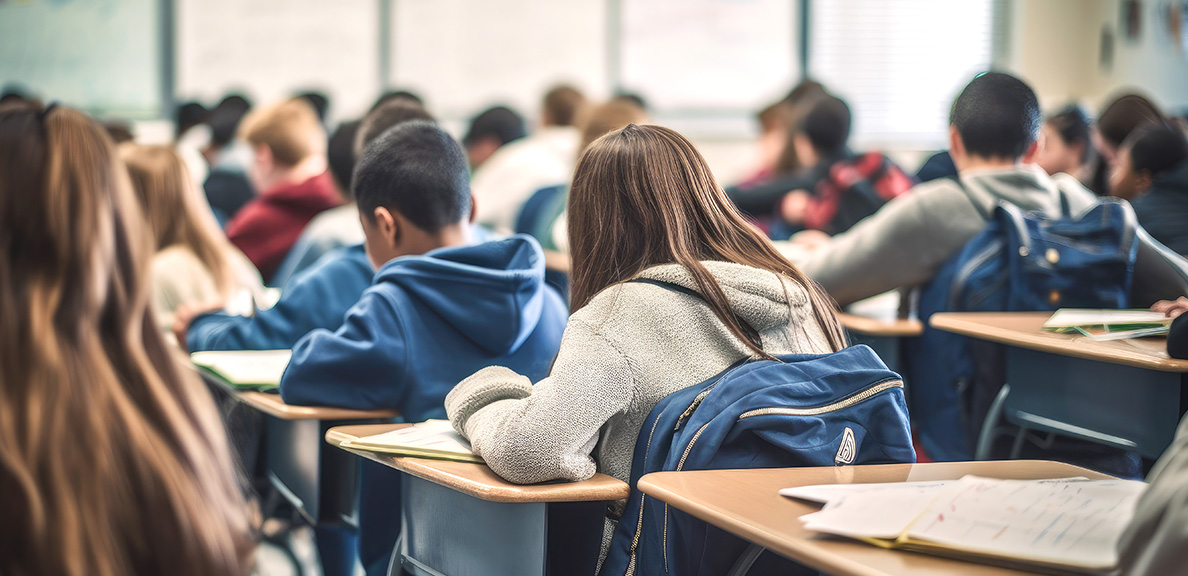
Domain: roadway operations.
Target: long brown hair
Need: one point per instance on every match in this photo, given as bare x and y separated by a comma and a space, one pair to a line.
113, 460
175, 212
643, 196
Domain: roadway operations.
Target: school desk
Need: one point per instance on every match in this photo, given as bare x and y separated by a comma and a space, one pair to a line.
460, 518
747, 503
878, 322
317, 480
1124, 393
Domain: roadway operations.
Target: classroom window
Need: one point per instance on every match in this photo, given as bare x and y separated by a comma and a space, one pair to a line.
900, 64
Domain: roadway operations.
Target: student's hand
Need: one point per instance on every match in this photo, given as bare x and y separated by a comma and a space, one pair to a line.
794, 206
186, 313
810, 239
1171, 308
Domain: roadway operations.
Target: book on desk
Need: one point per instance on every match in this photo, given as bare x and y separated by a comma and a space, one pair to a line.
259, 370
1060, 526
1108, 324
434, 439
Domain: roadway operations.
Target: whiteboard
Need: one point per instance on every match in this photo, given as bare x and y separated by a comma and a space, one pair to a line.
709, 55
272, 49
102, 56
464, 55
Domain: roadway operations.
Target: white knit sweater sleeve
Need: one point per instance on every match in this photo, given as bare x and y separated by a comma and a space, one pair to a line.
530, 434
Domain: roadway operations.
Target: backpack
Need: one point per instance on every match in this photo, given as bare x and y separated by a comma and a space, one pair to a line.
853, 189
1020, 262
799, 410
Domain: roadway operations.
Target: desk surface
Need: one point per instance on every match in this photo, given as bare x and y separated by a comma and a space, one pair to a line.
477, 479
747, 503
1023, 329
902, 327
273, 405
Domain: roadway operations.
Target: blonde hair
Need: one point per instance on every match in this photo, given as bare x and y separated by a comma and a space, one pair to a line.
113, 459
291, 130
175, 212
610, 116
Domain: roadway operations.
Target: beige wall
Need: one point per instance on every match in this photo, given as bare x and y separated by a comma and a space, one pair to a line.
1056, 45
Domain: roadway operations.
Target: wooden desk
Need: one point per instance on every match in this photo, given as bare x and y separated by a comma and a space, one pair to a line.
747, 504
1127, 394
317, 480
461, 518
876, 323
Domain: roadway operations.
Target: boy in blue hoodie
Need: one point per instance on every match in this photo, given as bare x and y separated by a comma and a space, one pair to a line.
438, 309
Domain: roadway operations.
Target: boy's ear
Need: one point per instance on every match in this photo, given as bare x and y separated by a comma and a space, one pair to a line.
1143, 181
1032, 151
263, 155
956, 146
387, 226
473, 210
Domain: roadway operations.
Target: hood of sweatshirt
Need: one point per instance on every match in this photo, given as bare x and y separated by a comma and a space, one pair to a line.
493, 293
314, 194
762, 298
1174, 181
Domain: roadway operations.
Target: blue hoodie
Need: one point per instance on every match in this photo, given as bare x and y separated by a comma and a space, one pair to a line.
427, 323
317, 298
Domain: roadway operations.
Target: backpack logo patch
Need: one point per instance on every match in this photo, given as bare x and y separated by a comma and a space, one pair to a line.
848, 449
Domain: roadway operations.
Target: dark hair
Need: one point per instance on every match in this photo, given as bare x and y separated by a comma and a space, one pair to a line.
794, 106
1124, 115
826, 124
501, 122
188, 115
418, 170
395, 95
319, 101
1157, 149
1073, 124
805, 89
634, 98
997, 116
340, 154
647, 197
387, 115
563, 105
225, 118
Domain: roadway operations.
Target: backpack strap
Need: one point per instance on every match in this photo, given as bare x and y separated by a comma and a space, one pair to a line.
749, 331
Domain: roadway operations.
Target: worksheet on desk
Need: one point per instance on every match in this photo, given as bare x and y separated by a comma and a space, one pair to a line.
1072, 523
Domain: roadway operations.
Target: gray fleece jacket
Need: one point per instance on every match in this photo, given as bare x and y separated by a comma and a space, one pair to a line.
908, 240
1156, 542
631, 346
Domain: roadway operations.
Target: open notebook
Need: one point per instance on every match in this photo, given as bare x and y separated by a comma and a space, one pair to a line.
429, 439
244, 369
1108, 324
1057, 526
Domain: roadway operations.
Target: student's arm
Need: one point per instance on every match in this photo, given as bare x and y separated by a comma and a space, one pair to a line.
1177, 339
764, 199
317, 298
903, 244
530, 434
359, 366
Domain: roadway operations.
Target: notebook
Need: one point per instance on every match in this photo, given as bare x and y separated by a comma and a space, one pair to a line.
244, 369
1061, 526
1108, 324
434, 439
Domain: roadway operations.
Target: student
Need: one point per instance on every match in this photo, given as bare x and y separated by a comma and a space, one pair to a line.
836, 188
604, 118
992, 138
438, 310
1152, 172
1068, 146
193, 261
289, 170
508, 178
651, 209
319, 101
226, 185
113, 457
315, 298
1115, 123
490, 130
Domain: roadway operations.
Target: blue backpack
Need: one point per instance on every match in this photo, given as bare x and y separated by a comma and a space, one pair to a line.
1020, 262
802, 410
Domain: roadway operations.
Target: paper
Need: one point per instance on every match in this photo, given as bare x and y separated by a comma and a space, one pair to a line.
826, 493
883, 512
1072, 317
245, 368
430, 439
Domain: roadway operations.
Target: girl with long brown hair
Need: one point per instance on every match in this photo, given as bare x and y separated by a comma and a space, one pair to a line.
194, 262
113, 460
644, 205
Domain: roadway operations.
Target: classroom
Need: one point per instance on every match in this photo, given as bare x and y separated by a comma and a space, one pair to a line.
593, 287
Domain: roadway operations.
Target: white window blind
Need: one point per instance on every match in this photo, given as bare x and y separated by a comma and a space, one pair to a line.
899, 64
